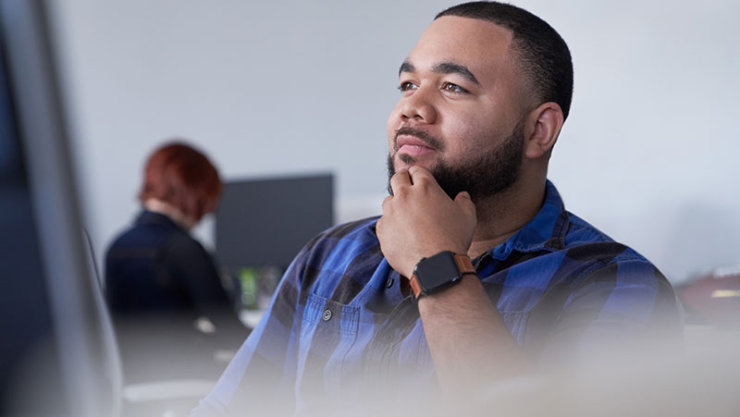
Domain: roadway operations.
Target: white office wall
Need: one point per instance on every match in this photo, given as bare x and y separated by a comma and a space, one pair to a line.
649, 153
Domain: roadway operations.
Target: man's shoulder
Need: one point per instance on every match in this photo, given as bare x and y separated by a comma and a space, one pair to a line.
563, 233
593, 272
584, 240
599, 258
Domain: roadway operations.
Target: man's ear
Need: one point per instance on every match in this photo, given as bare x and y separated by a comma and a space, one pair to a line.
542, 129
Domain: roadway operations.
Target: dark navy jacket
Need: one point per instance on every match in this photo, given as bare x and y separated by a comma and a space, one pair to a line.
159, 282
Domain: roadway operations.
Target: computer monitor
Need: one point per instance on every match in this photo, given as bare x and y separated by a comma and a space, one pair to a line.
54, 356
262, 223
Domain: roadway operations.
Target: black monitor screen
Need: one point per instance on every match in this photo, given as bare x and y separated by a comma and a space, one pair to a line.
57, 355
265, 222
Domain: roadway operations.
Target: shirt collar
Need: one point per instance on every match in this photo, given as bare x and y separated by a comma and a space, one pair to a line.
546, 231
151, 217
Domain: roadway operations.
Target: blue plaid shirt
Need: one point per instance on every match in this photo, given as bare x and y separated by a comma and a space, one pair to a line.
561, 286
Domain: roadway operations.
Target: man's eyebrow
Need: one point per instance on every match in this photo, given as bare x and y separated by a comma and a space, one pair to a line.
406, 67
452, 68
443, 68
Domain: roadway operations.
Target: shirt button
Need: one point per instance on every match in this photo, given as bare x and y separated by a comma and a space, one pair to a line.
389, 283
327, 315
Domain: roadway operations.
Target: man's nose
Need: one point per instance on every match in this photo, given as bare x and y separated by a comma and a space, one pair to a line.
418, 107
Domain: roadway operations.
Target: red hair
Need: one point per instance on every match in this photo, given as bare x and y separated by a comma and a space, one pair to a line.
182, 176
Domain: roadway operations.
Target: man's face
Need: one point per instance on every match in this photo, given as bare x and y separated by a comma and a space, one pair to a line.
461, 110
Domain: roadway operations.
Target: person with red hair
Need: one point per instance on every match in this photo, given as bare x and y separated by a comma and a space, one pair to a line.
162, 286
180, 182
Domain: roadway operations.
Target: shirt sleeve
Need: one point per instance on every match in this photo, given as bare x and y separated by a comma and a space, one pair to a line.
260, 378
619, 309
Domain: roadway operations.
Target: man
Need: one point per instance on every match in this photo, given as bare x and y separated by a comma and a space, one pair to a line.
503, 281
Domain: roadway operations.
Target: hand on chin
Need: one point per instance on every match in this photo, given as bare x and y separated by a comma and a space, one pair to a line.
420, 220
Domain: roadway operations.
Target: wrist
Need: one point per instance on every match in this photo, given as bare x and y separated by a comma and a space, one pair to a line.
438, 272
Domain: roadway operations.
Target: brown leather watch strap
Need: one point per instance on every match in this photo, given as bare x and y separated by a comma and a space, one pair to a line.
464, 265
415, 287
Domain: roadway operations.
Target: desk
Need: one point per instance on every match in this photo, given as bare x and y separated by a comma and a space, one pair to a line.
251, 318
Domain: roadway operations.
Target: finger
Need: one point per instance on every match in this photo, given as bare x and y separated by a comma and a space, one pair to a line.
463, 200
399, 180
463, 195
386, 202
424, 179
419, 173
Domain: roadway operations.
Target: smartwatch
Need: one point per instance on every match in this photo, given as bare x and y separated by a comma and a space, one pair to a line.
435, 273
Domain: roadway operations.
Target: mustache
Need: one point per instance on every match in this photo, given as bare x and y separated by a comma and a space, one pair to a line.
425, 137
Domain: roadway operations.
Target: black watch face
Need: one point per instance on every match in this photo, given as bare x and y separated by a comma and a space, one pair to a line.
437, 272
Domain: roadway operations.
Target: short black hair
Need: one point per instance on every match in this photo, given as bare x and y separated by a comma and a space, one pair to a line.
544, 55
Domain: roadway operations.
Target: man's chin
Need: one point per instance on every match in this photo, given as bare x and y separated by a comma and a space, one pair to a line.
403, 162
400, 163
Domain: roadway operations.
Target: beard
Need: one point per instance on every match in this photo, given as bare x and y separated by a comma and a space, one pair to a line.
483, 176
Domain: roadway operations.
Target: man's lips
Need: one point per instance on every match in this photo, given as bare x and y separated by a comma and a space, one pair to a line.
413, 147
413, 144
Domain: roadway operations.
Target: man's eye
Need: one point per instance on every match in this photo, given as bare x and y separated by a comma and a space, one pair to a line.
407, 85
453, 88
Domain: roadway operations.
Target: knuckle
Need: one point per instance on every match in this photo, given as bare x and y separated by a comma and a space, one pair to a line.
399, 193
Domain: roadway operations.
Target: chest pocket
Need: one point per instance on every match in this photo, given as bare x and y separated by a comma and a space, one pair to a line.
326, 327
328, 332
